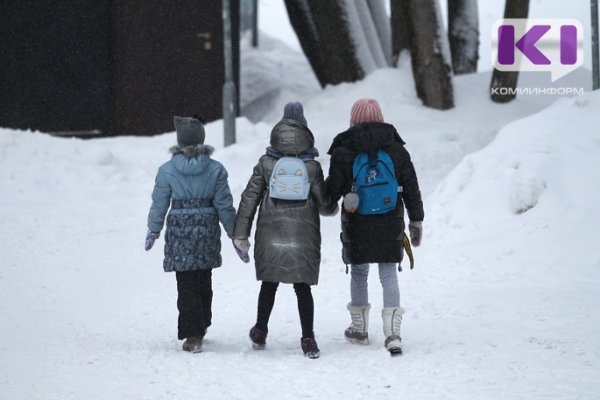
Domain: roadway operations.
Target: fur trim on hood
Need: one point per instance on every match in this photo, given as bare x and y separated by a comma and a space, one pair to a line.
192, 151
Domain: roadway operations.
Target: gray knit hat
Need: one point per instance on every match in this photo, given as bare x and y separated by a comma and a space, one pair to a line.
295, 111
190, 131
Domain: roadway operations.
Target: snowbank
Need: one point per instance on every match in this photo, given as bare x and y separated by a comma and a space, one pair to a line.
543, 166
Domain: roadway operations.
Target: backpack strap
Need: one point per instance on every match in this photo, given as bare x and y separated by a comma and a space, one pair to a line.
372, 160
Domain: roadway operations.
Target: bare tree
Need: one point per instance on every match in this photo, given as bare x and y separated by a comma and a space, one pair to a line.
343, 39
382, 25
508, 79
368, 33
430, 54
463, 34
324, 29
346, 39
399, 27
302, 21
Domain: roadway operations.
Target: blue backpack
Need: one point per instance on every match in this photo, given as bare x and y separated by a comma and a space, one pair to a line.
289, 180
375, 183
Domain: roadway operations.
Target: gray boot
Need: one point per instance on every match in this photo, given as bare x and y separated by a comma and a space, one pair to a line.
193, 344
358, 331
392, 319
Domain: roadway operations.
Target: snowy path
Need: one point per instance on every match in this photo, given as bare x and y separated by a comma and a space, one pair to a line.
87, 314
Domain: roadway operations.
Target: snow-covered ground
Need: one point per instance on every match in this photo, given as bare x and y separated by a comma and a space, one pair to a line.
502, 303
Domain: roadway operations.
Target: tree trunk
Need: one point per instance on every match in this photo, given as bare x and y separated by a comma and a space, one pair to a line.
430, 54
368, 34
337, 46
302, 21
382, 25
399, 27
463, 34
324, 29
508, 79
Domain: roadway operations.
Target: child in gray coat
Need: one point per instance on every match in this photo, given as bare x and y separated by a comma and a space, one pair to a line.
288, 234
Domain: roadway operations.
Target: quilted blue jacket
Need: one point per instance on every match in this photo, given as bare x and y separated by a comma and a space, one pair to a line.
195, 188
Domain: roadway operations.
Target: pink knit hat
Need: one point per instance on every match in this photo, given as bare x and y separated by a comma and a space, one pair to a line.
365, 110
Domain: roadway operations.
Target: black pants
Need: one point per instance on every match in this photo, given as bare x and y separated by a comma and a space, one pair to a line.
306, 306
194, 302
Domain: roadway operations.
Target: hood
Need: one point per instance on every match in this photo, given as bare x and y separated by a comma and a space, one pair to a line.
367, 137
191, 160
291, 138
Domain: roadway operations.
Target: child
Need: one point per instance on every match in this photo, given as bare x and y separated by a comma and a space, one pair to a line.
288, 238
195, 186
375, 238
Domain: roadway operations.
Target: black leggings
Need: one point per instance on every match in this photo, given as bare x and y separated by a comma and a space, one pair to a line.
306, 306
194, 302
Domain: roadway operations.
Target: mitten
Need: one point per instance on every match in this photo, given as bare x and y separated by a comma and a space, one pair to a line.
241, 247
351, 201
150, 238
415, 228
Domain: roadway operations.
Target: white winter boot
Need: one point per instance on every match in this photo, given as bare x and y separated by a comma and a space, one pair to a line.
358, 331
392, 319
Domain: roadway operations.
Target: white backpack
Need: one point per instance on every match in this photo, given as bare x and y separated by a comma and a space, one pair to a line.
289, 180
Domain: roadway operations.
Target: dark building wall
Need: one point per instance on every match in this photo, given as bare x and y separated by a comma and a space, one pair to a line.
122, 67
55, 65
168, 60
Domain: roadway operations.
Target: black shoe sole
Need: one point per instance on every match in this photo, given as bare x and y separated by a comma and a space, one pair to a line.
395, 352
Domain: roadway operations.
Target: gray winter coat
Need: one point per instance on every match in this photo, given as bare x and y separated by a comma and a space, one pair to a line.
288, 237
196, 189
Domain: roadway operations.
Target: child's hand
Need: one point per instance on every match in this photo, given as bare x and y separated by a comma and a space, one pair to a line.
241, 247
150, 238
415, 228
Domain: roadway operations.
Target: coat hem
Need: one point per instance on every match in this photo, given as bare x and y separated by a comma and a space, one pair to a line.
201, 268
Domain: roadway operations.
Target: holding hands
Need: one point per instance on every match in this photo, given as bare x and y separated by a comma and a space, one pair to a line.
241, 247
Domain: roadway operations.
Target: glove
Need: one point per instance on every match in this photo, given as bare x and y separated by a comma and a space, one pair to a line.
150, 238
415, 228
241, 247
351, 201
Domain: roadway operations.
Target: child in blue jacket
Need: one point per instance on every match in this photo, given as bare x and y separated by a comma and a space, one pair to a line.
196, 189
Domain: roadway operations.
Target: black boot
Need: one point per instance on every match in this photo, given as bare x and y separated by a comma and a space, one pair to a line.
258, 337
193, 344
309, 347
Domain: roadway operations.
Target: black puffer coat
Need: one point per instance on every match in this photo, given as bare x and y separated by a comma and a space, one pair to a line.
288, 235
373, 238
